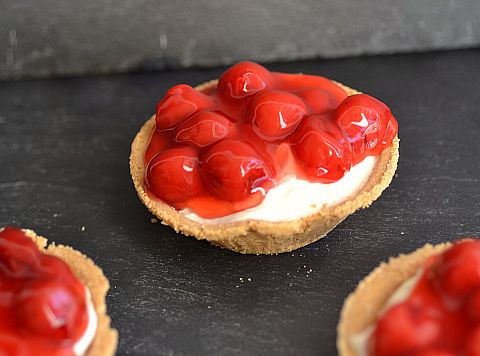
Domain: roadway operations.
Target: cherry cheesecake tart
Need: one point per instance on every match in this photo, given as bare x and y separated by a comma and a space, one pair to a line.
263, 162
52, 299
424, 303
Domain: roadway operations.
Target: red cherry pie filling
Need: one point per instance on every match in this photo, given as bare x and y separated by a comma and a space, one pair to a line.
220, 150
441, 313
44, 308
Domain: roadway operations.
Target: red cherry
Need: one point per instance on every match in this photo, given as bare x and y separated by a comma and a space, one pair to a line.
406, 328
457, 272
180, 102
19, 256
276, 114
318, 100
48, 308
472, 347
244, 79
173, 175
233, 170
322, 150
17, 237
367, 124
203, 129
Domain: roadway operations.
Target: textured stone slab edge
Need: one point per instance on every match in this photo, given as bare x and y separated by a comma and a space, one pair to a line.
52, 38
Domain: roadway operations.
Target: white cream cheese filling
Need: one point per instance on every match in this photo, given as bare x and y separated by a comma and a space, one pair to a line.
84, 342
294, 198
359, 342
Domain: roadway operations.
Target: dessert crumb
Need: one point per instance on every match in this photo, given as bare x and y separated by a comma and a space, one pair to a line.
153, 220
237, 286
402, 233
241, 279
83, 228
288, 273
313, 206
208, 306
249, 279
55, 215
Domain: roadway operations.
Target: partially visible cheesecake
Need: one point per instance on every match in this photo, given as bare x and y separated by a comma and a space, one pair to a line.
56, 299
423, 303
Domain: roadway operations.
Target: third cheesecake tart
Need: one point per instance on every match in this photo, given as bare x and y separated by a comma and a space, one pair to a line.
52, 300
263, 162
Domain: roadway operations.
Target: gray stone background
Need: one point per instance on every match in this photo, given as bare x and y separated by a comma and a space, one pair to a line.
43, 38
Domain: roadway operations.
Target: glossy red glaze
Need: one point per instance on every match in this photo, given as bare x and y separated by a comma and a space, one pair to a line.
43, 308
258, 126
441, 316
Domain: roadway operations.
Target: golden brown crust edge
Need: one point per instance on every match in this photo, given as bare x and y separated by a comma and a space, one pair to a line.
106, 338
363, 305
256, 236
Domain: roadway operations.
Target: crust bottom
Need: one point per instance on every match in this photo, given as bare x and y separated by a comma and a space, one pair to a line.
106, 338
363, 305
257, 236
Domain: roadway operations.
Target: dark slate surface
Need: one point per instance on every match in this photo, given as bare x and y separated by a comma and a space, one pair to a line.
68, 37
64, 147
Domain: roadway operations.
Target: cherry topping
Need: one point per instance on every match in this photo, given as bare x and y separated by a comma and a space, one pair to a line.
280, 124
366, 123
203, 129
180, 102
324, 153
276, 114
233, 170
174, 174
244, 79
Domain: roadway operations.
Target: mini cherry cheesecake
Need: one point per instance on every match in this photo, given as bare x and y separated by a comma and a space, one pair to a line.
263, 162
425, 303
52, 299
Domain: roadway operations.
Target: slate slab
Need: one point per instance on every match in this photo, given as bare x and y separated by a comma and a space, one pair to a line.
64, 147
69, 37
